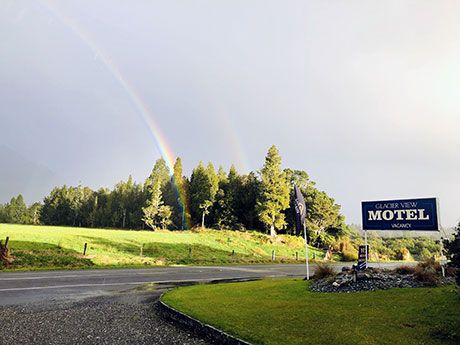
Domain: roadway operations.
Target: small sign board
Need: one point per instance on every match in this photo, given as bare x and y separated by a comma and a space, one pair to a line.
362, 257
406, 214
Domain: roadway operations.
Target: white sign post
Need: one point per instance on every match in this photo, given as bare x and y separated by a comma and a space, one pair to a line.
306, 251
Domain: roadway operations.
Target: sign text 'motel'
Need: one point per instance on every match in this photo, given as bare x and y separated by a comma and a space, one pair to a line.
407, 214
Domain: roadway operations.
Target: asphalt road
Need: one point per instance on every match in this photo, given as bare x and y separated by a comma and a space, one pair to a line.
18, 288
115, 306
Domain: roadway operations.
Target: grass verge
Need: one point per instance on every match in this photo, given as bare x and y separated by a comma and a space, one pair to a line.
48, 247
284, 311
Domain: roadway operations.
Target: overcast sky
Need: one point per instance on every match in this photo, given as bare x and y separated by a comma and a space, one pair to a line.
363, 95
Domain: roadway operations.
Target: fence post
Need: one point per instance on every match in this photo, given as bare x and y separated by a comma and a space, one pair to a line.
296, 256
273, 255
84, 249
142, 249
233, 252
6, 242
190, 252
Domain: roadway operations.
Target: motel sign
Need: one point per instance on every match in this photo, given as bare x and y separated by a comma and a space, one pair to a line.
407, 214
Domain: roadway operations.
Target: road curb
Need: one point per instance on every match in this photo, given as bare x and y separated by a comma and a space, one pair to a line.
209, 332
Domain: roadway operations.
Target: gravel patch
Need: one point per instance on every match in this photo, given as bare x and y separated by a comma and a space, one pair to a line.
129, 318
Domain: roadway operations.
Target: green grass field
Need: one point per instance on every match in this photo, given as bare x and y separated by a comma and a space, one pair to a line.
47, 247
286, 312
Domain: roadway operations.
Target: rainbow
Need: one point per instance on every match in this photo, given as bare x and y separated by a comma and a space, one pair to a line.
159, 139
232, 139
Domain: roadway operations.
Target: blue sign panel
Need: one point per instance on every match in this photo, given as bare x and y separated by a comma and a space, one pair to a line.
362, 259
407, 214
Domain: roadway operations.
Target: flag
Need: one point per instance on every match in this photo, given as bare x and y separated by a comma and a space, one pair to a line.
300, 210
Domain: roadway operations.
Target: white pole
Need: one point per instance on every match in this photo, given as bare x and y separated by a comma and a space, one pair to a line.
365, 244
441, 258
306, 251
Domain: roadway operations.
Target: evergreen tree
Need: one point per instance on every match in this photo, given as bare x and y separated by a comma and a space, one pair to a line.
160, 172
137, 199
16, 211
102, 210
155, 212
84, 206
33, 213
57, 208
246, 191
175, 195
121, 203
3, 218
214, 179
324, 222
224, 213
164, 216
154, 203
302, 181
221, 175
201, 193
274, 197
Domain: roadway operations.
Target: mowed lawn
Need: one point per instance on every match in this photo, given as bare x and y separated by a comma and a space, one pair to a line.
284, 311
45, 247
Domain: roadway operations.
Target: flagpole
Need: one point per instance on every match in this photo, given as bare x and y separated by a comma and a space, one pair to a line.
306, 251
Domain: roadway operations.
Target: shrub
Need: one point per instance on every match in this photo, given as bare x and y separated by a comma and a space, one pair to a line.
292, 241
428, 272
347, 248
323, 271
431, 263
404, 254
350, 254
380, 250
453, 252
451, 271
405, 269
198, 229
424, 245
425, 254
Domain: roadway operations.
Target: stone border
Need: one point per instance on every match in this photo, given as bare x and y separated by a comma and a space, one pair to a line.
208, 331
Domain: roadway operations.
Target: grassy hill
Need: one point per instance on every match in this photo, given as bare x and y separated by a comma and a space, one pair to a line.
48, 247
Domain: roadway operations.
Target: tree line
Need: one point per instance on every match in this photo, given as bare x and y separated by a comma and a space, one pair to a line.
212, 198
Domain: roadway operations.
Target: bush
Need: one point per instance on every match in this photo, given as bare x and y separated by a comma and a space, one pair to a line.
404, 269
428, 272
453, 253
292, 241
451, 271
380, 249
323, 271
350, 254
404, 254
424, 245
425, 254
347, 248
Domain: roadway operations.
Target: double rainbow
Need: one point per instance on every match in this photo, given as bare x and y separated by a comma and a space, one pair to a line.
146, 115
